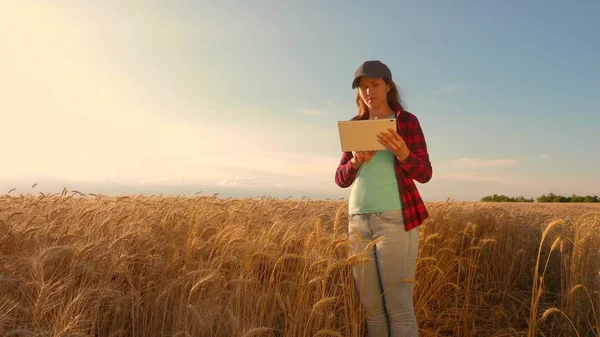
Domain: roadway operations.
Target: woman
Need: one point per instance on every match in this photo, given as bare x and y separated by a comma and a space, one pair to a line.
384, 202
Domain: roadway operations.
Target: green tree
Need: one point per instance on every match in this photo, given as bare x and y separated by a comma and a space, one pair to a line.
577, 198
551, 197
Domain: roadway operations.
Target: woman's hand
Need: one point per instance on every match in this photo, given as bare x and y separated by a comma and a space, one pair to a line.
392, 140
360, 157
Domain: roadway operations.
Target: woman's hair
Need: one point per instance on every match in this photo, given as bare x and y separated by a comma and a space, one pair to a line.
393, 99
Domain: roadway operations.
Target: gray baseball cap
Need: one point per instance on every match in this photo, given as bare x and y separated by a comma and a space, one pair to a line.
372, 68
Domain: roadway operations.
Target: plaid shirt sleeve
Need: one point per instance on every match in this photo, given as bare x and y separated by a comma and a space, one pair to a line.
345, 173
417, 164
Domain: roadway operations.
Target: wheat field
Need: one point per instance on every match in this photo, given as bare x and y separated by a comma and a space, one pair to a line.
74, 265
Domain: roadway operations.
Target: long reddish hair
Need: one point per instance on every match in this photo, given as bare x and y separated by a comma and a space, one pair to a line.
393, 100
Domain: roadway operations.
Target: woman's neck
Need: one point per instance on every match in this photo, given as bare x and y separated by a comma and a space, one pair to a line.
381, 112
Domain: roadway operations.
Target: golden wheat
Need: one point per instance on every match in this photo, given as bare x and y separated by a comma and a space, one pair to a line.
205, 266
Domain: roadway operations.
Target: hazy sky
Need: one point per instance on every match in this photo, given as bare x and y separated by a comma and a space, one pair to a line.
242, 97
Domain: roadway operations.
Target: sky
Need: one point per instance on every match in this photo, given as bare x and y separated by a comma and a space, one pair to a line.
242, 98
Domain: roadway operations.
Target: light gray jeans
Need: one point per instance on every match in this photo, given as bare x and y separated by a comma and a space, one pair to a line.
388, 300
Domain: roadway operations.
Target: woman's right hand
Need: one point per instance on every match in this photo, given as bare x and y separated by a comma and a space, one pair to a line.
361, 157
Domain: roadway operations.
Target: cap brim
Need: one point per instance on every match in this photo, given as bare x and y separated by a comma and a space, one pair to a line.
357, 78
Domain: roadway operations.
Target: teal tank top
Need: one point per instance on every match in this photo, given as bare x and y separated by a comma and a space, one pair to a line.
375, 188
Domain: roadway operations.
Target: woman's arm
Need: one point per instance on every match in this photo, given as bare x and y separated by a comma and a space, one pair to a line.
345, 173
417, 164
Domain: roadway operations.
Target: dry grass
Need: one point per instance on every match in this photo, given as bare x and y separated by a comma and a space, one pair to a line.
158, 266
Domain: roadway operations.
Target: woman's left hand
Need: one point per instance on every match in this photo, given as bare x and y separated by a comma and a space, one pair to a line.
392, 140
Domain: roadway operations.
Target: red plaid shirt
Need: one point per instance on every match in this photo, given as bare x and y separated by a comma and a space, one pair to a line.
416, 167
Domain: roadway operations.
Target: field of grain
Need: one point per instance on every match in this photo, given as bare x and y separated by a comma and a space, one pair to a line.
204, 266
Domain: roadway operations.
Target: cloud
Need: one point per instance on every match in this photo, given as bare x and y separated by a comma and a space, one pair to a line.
275, 169
248, 182
545, 156
452, 88
473, 177
165, 180
482, 180
475, 162
238, 181
312, 112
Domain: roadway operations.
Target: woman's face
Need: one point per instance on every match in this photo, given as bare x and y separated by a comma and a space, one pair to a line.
373, 91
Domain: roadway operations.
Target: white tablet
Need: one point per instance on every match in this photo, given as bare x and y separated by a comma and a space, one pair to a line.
361, 135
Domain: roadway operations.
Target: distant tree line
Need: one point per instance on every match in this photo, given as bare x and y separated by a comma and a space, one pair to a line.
504, 198
543, 198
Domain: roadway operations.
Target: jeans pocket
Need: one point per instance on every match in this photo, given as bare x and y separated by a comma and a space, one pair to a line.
351, 221
394, 216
